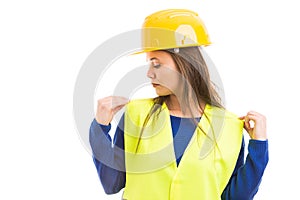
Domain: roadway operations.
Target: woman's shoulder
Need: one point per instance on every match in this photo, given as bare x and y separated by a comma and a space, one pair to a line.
139, 101
214, 111
139, 104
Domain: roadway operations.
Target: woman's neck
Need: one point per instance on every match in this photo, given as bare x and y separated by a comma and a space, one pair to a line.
176, 109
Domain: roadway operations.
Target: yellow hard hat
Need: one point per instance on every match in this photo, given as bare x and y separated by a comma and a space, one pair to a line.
173, 28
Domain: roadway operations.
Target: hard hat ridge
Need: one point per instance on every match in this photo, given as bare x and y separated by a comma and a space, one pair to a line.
173, 28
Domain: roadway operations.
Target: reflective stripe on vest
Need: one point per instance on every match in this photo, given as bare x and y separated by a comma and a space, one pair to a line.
206, 165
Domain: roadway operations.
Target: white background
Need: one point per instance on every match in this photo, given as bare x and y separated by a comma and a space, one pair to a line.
43, 45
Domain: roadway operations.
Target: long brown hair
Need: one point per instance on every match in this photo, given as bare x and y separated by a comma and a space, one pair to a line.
197, 84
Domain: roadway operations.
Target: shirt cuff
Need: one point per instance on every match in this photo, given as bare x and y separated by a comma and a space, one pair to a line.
105, 128
258, 144
259, 149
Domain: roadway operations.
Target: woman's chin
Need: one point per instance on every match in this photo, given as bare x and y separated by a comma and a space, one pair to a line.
161, 94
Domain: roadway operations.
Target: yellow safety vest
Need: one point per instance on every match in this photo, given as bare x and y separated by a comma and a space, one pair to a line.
205, 167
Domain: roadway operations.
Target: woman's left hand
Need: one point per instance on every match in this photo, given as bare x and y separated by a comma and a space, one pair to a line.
257, 130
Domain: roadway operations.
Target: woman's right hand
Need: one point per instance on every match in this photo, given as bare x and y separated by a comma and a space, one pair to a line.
108, 107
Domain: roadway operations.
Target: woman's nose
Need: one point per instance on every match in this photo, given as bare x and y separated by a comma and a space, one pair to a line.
150, 73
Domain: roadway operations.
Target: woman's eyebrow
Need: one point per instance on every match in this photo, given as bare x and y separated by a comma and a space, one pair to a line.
153, 58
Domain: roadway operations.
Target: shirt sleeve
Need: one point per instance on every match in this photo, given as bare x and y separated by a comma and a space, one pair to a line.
246, 178
108, 158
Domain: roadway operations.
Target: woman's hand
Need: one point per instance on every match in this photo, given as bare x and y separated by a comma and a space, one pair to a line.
108, 107
255, 125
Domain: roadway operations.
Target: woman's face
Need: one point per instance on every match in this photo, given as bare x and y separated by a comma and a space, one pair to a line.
163, 73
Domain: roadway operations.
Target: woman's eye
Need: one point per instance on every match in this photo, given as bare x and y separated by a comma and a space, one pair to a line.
156, 65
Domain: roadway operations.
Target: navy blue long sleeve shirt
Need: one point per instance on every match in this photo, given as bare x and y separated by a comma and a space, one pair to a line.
243, 184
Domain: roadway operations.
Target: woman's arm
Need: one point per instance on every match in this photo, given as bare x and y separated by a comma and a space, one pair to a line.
108, 159
245, 181
247, 176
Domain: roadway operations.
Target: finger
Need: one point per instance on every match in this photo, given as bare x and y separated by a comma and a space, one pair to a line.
259, 122
242, 117
119, 101
118, 104
113, 98
247, 123
116, 109
120, 98
254, 113
256, 118
110, 103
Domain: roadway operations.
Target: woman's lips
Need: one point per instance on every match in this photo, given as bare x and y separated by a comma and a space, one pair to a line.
155, 84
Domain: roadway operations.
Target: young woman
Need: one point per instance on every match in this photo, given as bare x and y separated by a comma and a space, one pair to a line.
183, 144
